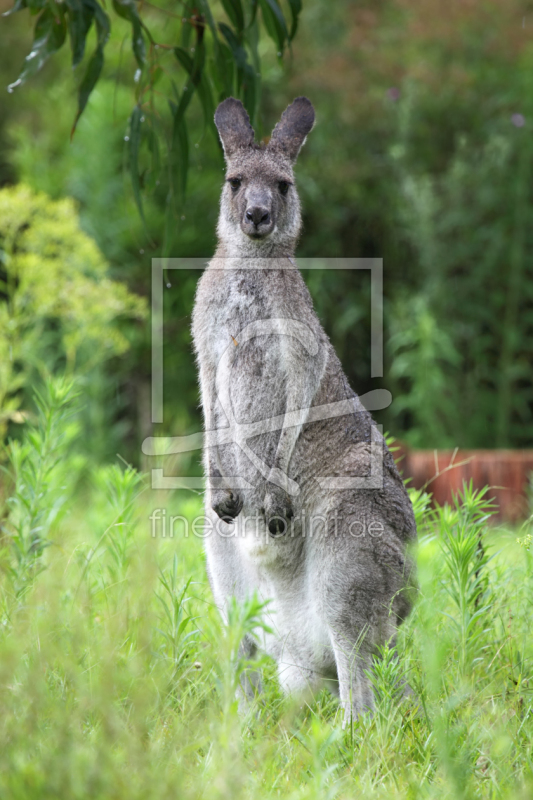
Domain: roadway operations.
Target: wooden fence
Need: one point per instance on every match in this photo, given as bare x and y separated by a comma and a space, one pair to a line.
507, 472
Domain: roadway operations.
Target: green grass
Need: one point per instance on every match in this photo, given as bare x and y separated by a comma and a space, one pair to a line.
117, 677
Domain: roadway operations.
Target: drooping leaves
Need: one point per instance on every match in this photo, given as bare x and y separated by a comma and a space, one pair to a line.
219, 59
33, 5
234, 10
246, 76
275, 24
295, 7
134, 144
80, 18
50, 33
127, 9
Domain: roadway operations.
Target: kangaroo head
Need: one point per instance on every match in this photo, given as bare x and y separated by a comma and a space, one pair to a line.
259, 206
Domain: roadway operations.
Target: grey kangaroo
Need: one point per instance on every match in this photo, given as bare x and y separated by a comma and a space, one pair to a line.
294, 508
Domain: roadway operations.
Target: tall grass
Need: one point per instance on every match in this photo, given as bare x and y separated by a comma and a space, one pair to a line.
118, 678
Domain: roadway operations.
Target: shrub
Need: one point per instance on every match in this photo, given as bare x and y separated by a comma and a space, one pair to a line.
58, 307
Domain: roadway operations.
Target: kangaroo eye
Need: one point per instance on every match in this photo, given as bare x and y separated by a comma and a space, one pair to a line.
235, 183
283, 187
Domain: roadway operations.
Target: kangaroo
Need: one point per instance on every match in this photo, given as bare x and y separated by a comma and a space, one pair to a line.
293, 509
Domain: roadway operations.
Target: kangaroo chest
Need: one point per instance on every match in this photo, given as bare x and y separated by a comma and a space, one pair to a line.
244, 347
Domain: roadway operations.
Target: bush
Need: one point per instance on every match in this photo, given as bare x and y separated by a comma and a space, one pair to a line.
59, 310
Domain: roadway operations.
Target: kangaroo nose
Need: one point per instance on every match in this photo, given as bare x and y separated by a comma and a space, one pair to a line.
257, 215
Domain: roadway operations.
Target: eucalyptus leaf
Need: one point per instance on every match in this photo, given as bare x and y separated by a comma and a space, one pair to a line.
275, 23
19, 5
127, 9
234, 10
296, 8
134, 144
80, 18
179, 151
50, 33
96, 62
219, 60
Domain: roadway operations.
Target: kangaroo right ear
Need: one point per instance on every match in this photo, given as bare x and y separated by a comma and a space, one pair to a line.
294, 125
233, 124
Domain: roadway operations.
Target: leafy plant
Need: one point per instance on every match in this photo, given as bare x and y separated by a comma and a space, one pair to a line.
461, 529
211, 58
106, 563
243, 620
121, 488
388, 679
175, 622
463, 339
43, 481
58, 307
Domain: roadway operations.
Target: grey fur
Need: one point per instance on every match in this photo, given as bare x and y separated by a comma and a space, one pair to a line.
333, 562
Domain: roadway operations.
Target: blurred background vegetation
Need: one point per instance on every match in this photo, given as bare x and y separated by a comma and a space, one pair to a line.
422, 154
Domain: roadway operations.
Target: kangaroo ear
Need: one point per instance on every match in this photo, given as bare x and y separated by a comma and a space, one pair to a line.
294, 125
233, 124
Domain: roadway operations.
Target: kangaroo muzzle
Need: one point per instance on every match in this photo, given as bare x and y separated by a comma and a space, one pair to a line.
258, 217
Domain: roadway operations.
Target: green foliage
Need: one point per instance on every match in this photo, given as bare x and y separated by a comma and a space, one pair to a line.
462, 531
466, 341
57, 304
127, 679
175, 622
420, 351
121, 488
422, 156
414, 158
43, 480
225, 61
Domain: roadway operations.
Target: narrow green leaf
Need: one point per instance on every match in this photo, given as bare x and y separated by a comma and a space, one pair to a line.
19, 5
96, 62
222, 71
134, 144
186, 34
198, 80
295, 7
206, 99
205, 9
188, 90
252, 38
275, 23
156, 73
33, 5
238, 51
80, 18
169, 228
246, 79
49, 36
103, 27
234, 10
92, 73
153, 146
249, 88
184, 58
253, 13
127, 9
179, 151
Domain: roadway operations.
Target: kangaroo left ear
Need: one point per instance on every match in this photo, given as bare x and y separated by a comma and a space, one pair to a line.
291, 131
233, 125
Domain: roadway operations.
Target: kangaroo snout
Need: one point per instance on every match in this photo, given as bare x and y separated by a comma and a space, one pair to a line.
257, 221
257, 215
